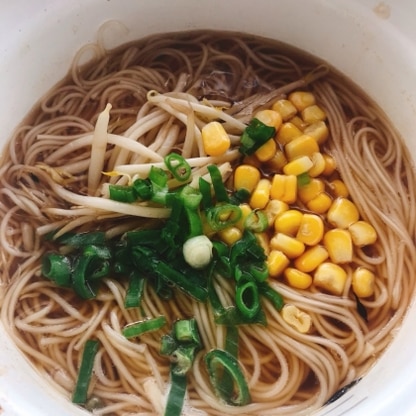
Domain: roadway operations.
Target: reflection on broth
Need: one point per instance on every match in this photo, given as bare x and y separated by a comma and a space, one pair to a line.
207, 217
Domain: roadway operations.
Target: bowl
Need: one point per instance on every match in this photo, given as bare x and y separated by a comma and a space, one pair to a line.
372, 42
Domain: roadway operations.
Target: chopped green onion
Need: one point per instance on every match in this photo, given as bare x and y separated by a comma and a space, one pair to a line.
260, 272
221, 194
178, 166
81, 284
254, 136
140, 328
186, 330
274, 297
247, 299
143, 188
82, 239
183, 358
222, 216
256, 221
176, 395
205, 189
122, 193
135, 290
303, 179
80, 393
232, 316
220, 361
57, 268
240, 196
168, 344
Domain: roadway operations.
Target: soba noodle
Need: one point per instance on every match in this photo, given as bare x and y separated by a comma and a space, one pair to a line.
46, 185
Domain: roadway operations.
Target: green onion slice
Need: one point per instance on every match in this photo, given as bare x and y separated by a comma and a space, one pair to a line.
186, 330
140, 328
135, 291
220, 361
222, 216
122, 193
254, 136
176, 395
220, 192
247, 299
80, 393
57, 268
256, 221
178, 166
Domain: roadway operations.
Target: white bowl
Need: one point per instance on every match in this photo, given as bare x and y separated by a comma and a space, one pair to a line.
372, 43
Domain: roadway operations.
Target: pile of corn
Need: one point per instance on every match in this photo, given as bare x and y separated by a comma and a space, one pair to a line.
314, 227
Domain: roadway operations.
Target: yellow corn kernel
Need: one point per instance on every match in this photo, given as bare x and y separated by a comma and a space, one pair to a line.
342, 213
311, 258
297, 279
338, 188
284, 188
261, 194
245, 212
318, 165
362, 282
330, 277
285, 108
298, 122
264, 242
301, 146
362, 233
277, 262
311, 229
302, 99
288, 222
296, 318
215, 139
271, 118
288, 245
274, 208
330, 165
230, 235
319, 131
287, 132
298, 166
277, 162
339, 245
246, 177
320, 204
313, 114
311, 190
266, 151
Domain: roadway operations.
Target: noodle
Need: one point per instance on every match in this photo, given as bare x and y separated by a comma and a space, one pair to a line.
161, 92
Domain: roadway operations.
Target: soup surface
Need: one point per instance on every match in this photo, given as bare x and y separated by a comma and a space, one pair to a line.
205, 217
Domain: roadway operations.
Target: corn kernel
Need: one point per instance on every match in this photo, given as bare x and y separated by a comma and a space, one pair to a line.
298, 166
285, 108
320, 204
296, 318
362, 282
298, 122
330, 277
230, 235
215, 139
311, 258
287, 132
245, 212
318, 165
271, 118
277, 262
288, 245
273, 209
246, 177
302, 99
311, 229
339, 245
261, 194
301, 146
311, 190
342, 213
297, 279
330, 165
313, 114
338, 188
266, 151
362, 233
319, 131
284, 188
288, 222
264, 242
277, 162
